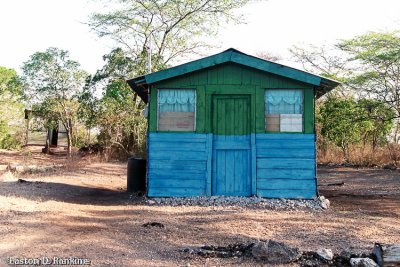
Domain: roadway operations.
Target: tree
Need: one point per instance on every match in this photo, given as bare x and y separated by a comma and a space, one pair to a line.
376, 57
345, 121
11, 109
172, 28
53, 82
117, 112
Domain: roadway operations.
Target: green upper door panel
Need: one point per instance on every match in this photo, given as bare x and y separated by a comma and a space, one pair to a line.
231, 114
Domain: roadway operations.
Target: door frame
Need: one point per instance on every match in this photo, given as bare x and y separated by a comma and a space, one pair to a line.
212, 90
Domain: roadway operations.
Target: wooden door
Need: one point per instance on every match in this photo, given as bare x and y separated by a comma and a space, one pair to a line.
231, 171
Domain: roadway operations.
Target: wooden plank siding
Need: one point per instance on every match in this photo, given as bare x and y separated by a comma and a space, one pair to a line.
178, 164
286, 165
231, 78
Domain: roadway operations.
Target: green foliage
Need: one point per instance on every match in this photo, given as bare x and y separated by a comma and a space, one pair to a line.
11, 110
347, 121
173, 27
117, 112
53, 82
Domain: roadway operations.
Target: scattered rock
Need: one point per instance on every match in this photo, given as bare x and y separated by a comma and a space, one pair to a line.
151, 202
153, 224
21, 181
230, 251
346, 254
324, 202
363, 262
275, 252
325, 254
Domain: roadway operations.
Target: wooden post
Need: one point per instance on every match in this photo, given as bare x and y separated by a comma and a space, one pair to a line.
387, 255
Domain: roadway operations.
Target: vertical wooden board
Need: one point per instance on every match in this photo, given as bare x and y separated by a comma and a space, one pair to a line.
212, 76
260, 109
200, 109
209, 164
230, 179
308, 110
153, 110
221, 171
253, 161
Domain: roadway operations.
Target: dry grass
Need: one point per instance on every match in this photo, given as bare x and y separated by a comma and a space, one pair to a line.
364, 156
83, 211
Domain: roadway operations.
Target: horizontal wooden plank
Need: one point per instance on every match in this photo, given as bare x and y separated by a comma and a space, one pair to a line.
231, 145
267, 163
176, 183
284, 136
296, 184
288, 193
175, 192
177, 146
178, 165
285, 173
306, 153
179, 174
177, 155
285, 144
177, 137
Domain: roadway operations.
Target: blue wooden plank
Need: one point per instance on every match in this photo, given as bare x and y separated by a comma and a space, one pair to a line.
177, 136
230, 166
253, 161
278, 184
209, 164
306, 153
221, 172
177, 146
289, 193
231, 145
285, 173
177, 183
285, 144
285, 163
176, 174
175, 155
178, 165
282, 136
175, 192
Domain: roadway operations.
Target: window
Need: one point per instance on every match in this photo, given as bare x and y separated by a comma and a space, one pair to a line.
176, 110
284, 110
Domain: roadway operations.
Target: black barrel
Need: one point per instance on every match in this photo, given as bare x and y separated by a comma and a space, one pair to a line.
136, 175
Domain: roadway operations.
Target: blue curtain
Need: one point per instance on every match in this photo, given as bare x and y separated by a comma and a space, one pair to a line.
287, 101
177, 100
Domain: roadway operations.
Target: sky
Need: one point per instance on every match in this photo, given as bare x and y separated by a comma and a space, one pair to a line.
29, 26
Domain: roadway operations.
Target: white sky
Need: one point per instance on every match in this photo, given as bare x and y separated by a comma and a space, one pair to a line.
28, 26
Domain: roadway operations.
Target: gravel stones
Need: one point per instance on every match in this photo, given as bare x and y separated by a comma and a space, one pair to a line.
363, 262
256, 202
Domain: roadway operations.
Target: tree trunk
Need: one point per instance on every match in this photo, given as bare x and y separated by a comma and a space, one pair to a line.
46, 148
69, 138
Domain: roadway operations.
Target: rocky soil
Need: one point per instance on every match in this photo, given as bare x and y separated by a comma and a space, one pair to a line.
82, 210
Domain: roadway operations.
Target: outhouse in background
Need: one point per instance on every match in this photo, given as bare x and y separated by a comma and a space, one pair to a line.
231, 124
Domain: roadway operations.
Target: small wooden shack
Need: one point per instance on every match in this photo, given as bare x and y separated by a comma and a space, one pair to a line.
231, 124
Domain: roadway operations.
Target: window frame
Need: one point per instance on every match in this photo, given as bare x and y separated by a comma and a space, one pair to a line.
302, 110
195, 110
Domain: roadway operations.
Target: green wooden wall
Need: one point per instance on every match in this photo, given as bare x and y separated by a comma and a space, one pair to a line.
231, 78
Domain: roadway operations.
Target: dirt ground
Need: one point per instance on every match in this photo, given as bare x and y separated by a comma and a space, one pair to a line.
82, 211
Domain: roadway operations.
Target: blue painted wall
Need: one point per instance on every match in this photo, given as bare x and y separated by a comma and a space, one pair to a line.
282, 165
286, 165
177, 164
